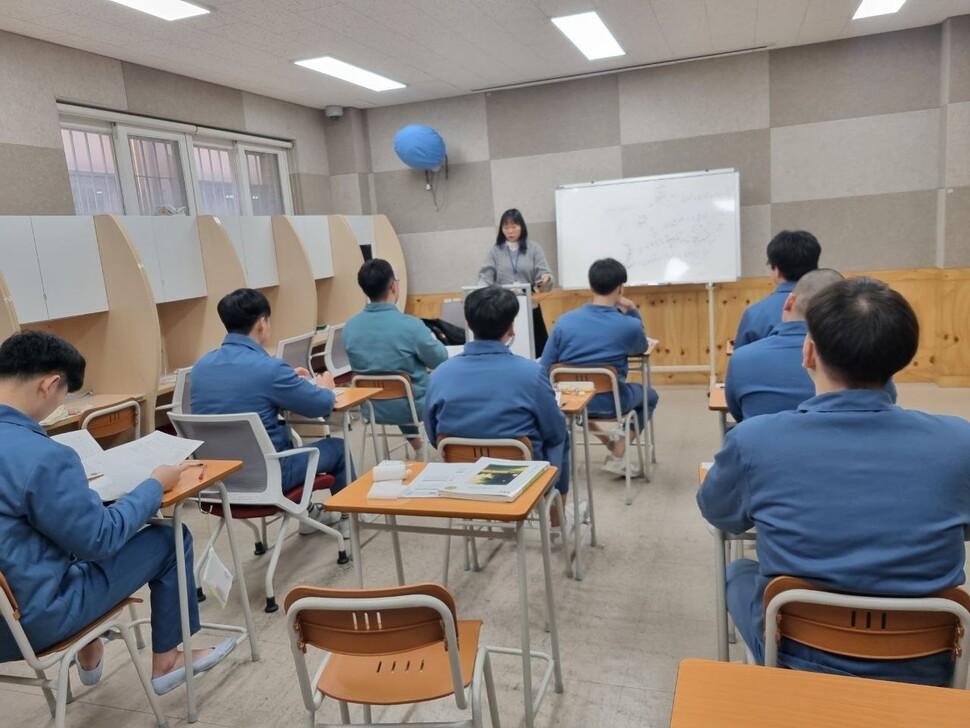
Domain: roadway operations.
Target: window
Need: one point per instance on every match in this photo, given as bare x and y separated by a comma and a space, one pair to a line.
265, 188
159, 181
92, 171
218, 194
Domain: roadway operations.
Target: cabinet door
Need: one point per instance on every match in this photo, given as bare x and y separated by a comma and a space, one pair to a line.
180, 257
262, 270
70, 265
315, 232
141, 230
21, 269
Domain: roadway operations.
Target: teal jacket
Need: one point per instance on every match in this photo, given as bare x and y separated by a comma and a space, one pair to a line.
381, 339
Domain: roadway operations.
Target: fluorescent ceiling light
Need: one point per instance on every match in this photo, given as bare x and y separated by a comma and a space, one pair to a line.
870, 8
164, 9
588, 33
346, 72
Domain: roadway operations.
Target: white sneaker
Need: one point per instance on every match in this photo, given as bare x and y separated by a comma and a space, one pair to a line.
617, 466
317, 513
570, 518
616, 434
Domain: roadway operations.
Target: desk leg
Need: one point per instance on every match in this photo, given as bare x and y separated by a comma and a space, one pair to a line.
355, 548
720, 617
396, 545
240, 574
646, 392
524, 616
722, 419
193, 714
577, 525
550, 601
345, 428
589, 480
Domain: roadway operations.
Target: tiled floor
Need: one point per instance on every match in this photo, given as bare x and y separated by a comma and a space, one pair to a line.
645, 604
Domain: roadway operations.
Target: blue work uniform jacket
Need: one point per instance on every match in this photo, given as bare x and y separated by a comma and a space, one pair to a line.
761, 317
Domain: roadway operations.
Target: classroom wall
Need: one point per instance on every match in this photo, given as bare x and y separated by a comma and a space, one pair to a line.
864, 141
35, 75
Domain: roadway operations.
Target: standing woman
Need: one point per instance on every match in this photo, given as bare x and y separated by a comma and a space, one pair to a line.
516, 259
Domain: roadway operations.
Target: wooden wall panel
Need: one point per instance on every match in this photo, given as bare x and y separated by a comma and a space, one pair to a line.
677, 315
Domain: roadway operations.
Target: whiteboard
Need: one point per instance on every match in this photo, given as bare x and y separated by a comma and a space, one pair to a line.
681, 228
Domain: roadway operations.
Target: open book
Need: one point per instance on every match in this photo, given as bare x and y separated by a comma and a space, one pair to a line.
113, 473
491, 479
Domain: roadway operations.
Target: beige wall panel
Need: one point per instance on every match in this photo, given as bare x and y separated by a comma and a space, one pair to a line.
464, 199
338, 298
33, 181
301, 124
389, 247
959, 58
957, 250
34, 75
868, 156
556, 117
958, 145
544, 233
529, 183
460, 121
8, 312
348, 145
747, 151
875, 74
311, 194
755, 236
345, 194
294, 301
167, 95
440, 262
867, 233
694, 99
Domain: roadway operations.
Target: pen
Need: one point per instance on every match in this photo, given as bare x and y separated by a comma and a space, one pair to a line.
202, 472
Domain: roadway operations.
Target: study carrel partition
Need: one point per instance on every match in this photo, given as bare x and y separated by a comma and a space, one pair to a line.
8, 313
376, 232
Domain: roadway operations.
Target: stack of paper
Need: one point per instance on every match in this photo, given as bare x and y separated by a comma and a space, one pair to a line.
115, 472
436, 476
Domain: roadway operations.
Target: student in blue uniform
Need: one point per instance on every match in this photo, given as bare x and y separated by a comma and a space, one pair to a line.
791, 254
489, 392
767, 376
849, 492
67, 557
605, 332
240, 376
381, 339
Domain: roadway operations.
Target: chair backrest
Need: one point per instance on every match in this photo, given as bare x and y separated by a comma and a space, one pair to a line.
10, 610
393, 385
884, 628
296, 350
470, 449
236, 437
604, 379
334, 354
182, 396
113, 420
453, 311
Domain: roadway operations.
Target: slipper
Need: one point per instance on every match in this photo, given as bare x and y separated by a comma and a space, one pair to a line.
92, 676
171, 680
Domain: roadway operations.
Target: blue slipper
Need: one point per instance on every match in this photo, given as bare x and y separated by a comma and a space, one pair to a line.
169, 681
92, 676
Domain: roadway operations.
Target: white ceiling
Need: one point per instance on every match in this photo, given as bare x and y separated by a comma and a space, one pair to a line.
438, 48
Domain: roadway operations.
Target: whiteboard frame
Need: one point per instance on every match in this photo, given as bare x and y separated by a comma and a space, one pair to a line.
678, 175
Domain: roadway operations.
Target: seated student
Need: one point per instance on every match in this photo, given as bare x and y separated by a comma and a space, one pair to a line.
791, 254
605, 332
241, 377
381, 339
849, 492
767, 376
67, 557
489, 392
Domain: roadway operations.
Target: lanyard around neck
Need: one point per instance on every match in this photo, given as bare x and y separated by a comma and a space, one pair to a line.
513, 261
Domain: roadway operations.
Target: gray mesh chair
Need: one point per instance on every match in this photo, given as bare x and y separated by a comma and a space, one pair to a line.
296, 350
182, 396
334, 354
256, 491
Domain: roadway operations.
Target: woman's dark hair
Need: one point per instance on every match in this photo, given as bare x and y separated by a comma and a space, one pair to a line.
36, 353
490, 311
241, 309
515, 216
863, 330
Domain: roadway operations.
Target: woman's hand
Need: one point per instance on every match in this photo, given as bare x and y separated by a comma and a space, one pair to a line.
543, 280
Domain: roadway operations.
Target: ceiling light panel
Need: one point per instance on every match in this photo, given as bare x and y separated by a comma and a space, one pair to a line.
347, 72
589, 33
871, 8
164, 9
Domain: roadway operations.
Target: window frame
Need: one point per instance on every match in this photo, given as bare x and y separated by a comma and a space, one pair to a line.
226, 145
245, 188
126, 170
91, 126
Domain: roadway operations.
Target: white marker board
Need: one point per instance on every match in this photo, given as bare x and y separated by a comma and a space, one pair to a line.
681, 228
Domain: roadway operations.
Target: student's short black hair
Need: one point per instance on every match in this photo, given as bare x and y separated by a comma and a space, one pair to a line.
515, 216
794, 253
606, 275
32, 354
863, 330
241, 309
375, 278
490, 311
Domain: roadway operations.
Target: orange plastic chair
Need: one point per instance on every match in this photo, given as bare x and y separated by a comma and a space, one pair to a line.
393, 385
881, 628
394, 646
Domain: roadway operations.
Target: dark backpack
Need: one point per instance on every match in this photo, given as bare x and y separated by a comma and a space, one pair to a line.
447, 333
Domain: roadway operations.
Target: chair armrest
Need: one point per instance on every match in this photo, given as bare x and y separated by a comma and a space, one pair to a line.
164, 407
311, 468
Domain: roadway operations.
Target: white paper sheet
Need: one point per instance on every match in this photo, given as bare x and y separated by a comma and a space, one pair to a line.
81, 442
434, 477
128, 465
